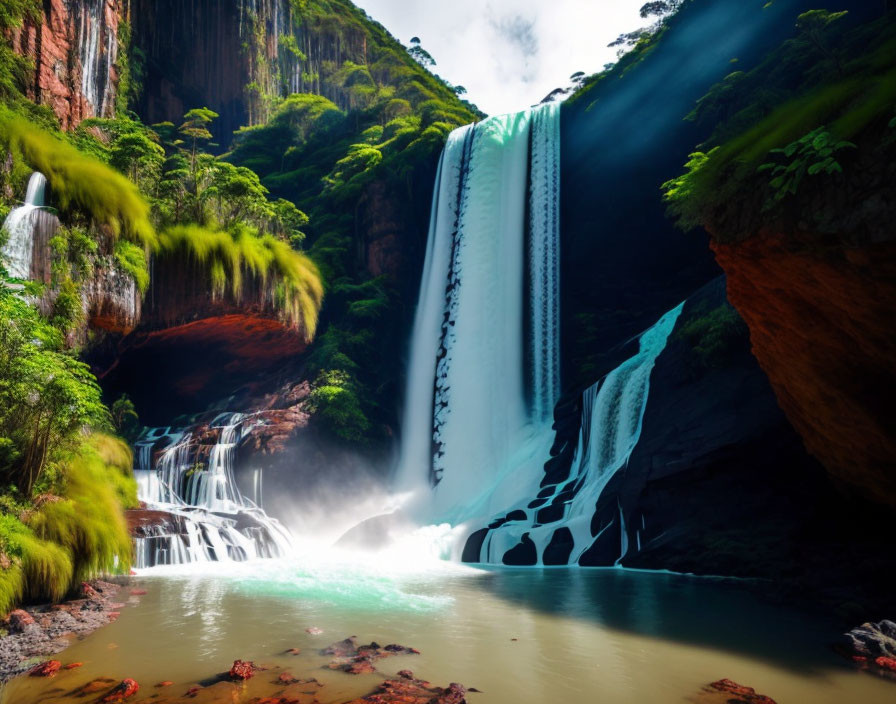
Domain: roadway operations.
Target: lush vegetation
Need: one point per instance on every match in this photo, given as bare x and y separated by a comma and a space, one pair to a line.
714, 335
363, 153
65, 482
792, 120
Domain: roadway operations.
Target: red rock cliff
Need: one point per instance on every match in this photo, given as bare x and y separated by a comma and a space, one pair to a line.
822, 327
75, 49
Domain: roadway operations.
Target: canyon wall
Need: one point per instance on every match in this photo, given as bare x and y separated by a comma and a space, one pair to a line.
76, 49
236, 57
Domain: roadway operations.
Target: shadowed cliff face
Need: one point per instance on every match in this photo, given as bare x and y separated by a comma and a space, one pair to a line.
624, 261
74, 49
821, 326
229, 56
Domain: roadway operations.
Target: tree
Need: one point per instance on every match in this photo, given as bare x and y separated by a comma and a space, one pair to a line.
125, 418
195, 129
420, 55
138, 156
813, 26
659, 8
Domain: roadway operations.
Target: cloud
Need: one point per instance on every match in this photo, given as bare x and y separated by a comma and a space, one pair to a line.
509, 54
517, 36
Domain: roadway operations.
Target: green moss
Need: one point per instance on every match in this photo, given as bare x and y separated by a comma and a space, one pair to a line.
131, 259
714, 335
61, 538
289, 278
79, 181
833, 107
334, 403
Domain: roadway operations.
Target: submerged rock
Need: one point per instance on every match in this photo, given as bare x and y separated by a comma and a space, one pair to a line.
727, 691
123, 690
45, 669
408, 690
242, 670
358, 659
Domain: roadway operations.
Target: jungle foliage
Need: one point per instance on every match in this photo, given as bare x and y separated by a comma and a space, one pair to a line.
790, 120
333, 162
65, 481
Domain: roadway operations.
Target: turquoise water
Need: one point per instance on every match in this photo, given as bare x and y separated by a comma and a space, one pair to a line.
519, 635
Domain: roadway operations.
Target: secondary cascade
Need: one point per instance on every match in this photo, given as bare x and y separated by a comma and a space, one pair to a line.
209, 520
25, 223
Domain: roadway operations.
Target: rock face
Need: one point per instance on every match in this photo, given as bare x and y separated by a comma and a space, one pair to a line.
709, 461
75, 49
872, 640
624, 263
821, 327
193, 57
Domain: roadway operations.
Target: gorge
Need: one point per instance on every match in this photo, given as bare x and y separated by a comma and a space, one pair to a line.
304, 344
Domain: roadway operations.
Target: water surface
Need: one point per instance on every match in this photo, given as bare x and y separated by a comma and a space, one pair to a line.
520, 635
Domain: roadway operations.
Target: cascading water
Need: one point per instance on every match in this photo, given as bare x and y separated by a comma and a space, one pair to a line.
612, 414
22, 225
484, 370
207, 519
97, 51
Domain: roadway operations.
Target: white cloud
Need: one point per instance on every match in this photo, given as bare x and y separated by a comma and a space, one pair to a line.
509, 54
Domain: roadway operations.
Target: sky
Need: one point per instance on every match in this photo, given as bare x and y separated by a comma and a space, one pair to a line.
509, 54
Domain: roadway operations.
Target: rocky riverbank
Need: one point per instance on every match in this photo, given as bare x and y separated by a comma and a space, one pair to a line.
39, 631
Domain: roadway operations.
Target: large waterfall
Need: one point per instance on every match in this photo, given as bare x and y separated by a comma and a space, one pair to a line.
22, 225
484, 372
484, 369
204, 517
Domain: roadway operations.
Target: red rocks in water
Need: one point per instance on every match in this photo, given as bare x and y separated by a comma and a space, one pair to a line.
100, 684
242, 670
729, 692
45, 669
358, 667
408, 690
192, 691
886, 663
166, 683
293, 651
19, 620
358, 659
123, 690
287, 678
314, 630
73, 665
872, 646
138, 592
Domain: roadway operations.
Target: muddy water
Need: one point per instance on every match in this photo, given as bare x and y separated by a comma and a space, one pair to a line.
572, 636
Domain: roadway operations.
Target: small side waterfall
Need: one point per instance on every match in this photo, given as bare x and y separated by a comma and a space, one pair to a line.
612, 413
484, 369
25, 224
206, 518
97, 51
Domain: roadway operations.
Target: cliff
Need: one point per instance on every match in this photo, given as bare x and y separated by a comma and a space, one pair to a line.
799, 201
75, 49
238, 57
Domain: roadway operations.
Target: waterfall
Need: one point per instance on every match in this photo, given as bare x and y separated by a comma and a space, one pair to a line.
612, 414
206, 517
484, 375
97, 51
484, 370
22, 225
